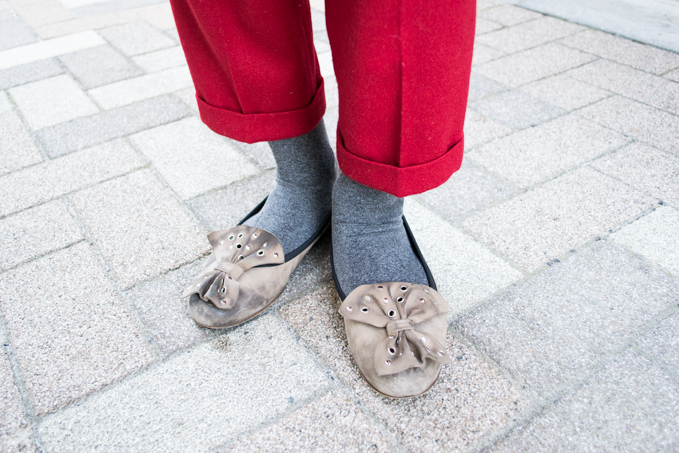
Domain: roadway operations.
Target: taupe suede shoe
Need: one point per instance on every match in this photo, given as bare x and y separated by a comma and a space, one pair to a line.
397, 332
244, 275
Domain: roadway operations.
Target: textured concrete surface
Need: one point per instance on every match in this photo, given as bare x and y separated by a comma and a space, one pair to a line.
555, 244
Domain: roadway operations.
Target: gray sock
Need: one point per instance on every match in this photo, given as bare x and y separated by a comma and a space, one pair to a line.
300, 202
369, 241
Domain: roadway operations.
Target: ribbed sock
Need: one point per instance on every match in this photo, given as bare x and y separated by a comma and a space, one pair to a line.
301, 200
369, 241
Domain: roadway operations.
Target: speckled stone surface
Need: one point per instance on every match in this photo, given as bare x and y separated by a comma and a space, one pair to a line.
645, 168
529, 34
546, 222
565, 92
654, 236
630, 405
192, 158
481, 87
480, 129
204, 397
29, 72
136, 38
40, 183
17, 147
36, 231
549, 329
469, 400
662, 342
99, 66
545, 151
331, 423
77, 336
516, 109
14, 429
133, 213
508, 15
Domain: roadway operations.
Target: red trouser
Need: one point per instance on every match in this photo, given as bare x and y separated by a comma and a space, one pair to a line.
402, 70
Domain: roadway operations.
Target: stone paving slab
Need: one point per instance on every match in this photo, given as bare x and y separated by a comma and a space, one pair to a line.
40, 50
533, 64
484, 26
655, 237
99, 66
136, 38
645, 168
632, 83
29, 72
470, 399
625, 51
331, 423
139, 88
43, 182
484, 54
17, 147
481, 87
529, 34
630, 405
14, 31
111, 124
543, 152
465, 272
551, 328
508, 15
546, 222
662, 343
191, 158
52, 101
473, 188
565, 92
133, 213
69, 329
13, 423
658, 128
479, 129
35, 232
161, 59
204, 397
516, 109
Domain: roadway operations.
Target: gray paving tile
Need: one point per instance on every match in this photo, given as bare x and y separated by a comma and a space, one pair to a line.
645, 168
625, 51
143, 87
226, 207
331, 423
196, 401
529, 34
165, 314
135, 213
479, 129
470, 189
516, 109
135, 38
637, 120
191, 158
30, 72
548, 221
188, 97
92, 130
14, 32
76, 336
13, 425
17, 147
551, 328
638, 85
486, 26
674, 75
542, 152
161, 59
35, 232
481, 87
628, 406
533, 64
470, 399
565, 92
483, 54
508, 15
465, 271
655, 237
99, 65
49, 180
662, 342
52, 101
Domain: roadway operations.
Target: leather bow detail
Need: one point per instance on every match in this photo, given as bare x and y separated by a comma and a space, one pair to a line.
234, 251
402, 309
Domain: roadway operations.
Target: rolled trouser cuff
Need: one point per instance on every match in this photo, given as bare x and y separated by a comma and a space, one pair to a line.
400, 181
261, 127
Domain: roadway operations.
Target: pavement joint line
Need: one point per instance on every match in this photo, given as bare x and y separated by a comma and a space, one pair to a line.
552, 41
41, 150
655, 361
26, 403
49, 48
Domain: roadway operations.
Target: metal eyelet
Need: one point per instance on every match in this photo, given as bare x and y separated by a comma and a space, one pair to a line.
380, 287
254, 235
404, 288
239, 245
392, 351
426, 291
421, 300
364, 309
391, 313
400, 299
385, 300
275, 255
231, 237
240, 257
223, 289
349, 308
388, 362
260, 253
240, 235
366, 298
423, 340
441, 352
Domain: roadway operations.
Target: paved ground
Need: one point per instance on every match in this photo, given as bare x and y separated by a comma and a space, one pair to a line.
557, 245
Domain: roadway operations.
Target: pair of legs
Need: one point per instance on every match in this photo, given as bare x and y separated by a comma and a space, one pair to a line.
402, 70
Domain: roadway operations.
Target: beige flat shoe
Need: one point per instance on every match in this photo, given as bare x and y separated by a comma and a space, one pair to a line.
397, 333
243, 276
